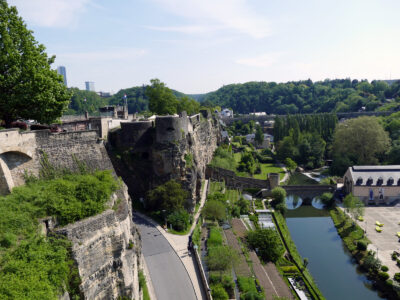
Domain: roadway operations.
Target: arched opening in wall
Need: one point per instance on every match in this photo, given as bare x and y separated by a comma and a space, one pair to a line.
14, 159
12, 165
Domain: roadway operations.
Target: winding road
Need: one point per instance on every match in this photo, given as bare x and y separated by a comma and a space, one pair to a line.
168, 275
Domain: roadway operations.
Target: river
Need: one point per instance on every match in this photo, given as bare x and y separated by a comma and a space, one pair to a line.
330, 263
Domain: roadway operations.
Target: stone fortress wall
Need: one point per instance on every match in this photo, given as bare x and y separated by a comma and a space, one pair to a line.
170, 147
106, 247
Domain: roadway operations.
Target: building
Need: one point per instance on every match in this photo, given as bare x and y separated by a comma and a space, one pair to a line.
250, 138
373, 184
62, 71
89, 86
226, 112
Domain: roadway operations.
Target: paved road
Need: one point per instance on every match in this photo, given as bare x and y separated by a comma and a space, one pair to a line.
168, 275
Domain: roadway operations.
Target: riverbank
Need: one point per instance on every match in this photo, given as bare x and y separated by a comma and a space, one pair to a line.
355, 241
295, 257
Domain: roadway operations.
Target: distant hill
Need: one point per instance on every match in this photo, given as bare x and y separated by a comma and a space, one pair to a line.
339, 95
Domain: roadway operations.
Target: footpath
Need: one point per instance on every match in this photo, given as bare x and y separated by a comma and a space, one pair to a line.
180, 243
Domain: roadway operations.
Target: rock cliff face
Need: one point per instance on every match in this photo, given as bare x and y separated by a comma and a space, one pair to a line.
147, 154
107, 251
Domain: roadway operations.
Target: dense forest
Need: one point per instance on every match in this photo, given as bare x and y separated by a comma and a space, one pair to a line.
306, 139
339, 95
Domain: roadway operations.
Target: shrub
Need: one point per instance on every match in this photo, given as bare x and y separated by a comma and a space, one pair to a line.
383, 275
362, 246
252, 296
394, 256
246, 284
278, 195
371, 263
179, 219
214, 210
389, 282
397, 277
221, 258
215, 238
398, 262
384, 268
218, 292
267, 242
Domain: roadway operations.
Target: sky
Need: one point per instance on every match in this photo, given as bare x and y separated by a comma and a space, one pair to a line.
197, 46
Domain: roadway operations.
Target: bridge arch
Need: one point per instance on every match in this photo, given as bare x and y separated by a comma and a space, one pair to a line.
12, 166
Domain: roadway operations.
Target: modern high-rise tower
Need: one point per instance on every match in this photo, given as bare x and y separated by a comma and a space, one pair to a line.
89, 86
61, 70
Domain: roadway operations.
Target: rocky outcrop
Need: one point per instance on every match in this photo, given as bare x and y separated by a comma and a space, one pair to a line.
147, 154
107, 249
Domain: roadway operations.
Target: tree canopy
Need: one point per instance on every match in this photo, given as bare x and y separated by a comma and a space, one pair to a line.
29, 88
359, 141
339, 95
267, 242
169, 196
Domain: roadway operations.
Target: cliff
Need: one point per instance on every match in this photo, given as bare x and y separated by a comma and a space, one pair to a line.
149, 153
106, 249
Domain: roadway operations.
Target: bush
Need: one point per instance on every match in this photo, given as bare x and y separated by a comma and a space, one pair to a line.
397, 277
394, 255
179, 219
246, 284
278, 195
371, 263
384, 269
215, 238
252, 296
214, 210
218, 292
362, 246
221, 258
383, 276
268, 243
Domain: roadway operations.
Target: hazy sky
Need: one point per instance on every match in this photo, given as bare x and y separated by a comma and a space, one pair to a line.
196, 46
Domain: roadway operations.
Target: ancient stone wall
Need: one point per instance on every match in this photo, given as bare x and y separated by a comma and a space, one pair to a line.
107, 251
147, 154
22, 152
106, 247
234, 181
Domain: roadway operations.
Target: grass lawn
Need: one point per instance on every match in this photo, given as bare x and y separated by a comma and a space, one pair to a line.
269, 168
300, 179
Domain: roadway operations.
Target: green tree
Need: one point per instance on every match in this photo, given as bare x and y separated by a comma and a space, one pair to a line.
29, 88
189, 105
169, 196
278, 195
290, 164
354, 206
259, 135
179, 219
362, 138
162, 101
267, 242
221, 258
214, 210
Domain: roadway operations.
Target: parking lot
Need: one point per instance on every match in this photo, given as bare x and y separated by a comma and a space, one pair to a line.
385, 242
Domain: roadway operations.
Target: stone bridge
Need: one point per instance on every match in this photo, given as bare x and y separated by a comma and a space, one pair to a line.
308, 192
21, 153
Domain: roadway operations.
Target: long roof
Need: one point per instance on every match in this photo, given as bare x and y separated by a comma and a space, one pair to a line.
375, 175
